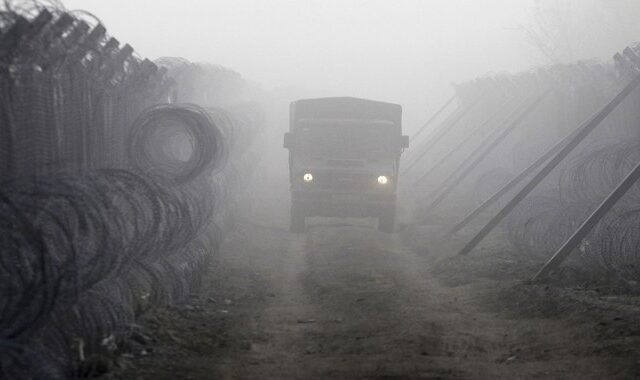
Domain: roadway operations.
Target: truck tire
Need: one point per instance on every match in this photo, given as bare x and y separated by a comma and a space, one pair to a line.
297, 219
387, 221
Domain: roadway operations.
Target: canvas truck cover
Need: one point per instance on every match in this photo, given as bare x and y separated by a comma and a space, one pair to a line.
344, 108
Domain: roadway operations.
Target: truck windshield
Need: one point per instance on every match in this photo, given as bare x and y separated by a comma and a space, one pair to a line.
348, 140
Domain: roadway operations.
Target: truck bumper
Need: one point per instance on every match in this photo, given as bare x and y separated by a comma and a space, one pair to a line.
343, 205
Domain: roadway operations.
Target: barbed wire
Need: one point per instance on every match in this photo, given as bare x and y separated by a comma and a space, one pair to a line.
111, 203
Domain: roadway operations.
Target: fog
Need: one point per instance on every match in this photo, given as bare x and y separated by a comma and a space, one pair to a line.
311, 189
406, 51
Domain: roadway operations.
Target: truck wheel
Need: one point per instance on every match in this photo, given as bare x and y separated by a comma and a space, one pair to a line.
387, 221
297, 219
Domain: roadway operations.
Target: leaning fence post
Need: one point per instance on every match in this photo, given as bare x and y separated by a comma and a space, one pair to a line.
440, 134
474, 153
586, 227
433, 117
510, 127
555, 161
523, 174
464, 141
618, 192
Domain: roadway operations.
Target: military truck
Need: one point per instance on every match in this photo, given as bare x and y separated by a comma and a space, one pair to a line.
344, 157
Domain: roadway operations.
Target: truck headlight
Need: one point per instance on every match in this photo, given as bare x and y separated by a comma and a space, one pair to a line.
383, 180
307, 177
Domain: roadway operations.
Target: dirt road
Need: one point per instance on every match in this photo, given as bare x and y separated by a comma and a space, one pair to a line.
348, 302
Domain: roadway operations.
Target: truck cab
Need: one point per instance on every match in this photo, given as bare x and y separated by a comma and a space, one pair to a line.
344, 157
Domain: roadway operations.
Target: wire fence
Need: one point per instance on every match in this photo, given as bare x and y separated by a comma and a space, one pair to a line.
113, 197
480, 165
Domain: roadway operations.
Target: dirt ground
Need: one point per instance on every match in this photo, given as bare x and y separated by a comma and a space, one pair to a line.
344, 301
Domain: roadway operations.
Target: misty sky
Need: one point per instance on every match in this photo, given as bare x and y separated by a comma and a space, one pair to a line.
405, 51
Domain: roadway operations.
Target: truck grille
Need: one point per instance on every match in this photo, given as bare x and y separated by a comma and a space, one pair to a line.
344, 181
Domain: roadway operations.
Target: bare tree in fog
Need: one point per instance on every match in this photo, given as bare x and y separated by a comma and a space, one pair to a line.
563, 31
